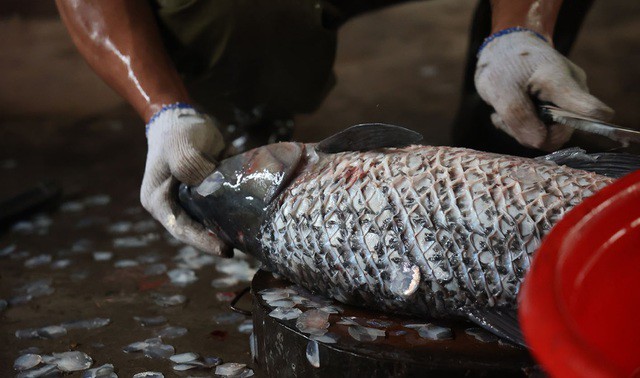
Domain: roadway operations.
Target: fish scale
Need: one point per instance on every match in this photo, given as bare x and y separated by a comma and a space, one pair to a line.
354, 224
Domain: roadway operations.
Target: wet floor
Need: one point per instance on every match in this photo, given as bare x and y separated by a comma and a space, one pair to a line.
98, 255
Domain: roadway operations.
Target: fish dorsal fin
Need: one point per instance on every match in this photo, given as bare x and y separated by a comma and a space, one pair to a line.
612, 164
369, 136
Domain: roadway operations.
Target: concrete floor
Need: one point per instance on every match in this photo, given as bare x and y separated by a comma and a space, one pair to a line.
402, 65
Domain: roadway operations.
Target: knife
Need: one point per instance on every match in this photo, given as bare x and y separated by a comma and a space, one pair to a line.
553, 114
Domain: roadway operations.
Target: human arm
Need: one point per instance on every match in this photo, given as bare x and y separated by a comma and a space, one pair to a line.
519, 63
120, 40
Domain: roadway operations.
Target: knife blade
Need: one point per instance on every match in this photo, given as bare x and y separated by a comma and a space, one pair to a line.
550, 113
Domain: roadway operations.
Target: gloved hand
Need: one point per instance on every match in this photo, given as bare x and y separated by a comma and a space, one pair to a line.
512, 67
183, 145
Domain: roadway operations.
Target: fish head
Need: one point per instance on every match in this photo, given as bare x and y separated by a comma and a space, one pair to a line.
233, 200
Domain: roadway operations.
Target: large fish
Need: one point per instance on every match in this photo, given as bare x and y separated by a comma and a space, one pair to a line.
367, 218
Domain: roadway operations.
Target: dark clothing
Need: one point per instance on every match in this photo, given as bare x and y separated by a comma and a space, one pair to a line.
247, 61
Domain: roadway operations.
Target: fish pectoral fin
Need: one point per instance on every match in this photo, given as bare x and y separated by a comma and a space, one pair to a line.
369, 136
502, 322
611, 164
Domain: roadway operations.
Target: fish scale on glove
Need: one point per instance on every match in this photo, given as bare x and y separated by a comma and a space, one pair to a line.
430, 231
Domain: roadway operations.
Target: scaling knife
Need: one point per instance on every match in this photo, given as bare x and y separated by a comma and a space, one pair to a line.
550, 113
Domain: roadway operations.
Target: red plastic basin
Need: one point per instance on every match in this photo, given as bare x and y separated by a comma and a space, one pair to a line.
580, 302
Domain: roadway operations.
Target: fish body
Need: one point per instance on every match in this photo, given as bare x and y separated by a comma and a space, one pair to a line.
428, 231
418, 230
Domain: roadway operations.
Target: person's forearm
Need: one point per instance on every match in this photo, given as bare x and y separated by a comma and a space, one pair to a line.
537, 15
121, 42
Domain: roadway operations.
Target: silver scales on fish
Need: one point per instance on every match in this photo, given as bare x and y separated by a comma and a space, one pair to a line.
369, 218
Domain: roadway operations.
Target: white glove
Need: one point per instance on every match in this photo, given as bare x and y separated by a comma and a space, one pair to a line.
515, 66
183, 145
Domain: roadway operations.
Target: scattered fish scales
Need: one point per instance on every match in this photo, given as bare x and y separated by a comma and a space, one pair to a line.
149, 258
224, 282
104, 371
43, 371
28, 333
246, 327
145, 226
183, 367
481, 335
169, 300
102, 256
97, 200
282, 303
155, 269
315, 322
121, 227
81, 245
225, 296
159, 351
253, 346
7, 250
327, 338
79, 275
435, 332
38, 260
149, 374
51, 332
138, 346
379, 323
125, 263
313, 353
87, 323
361, 333
239, 269
150, 321
20, 299
171, 332
182, 277
229, 369
228, 318
184, 357
332, 309
284, 313
60, 264
134, 241
210, 362
72, 361
38, 288
27, 361
3, 305
20, 255
347, 321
